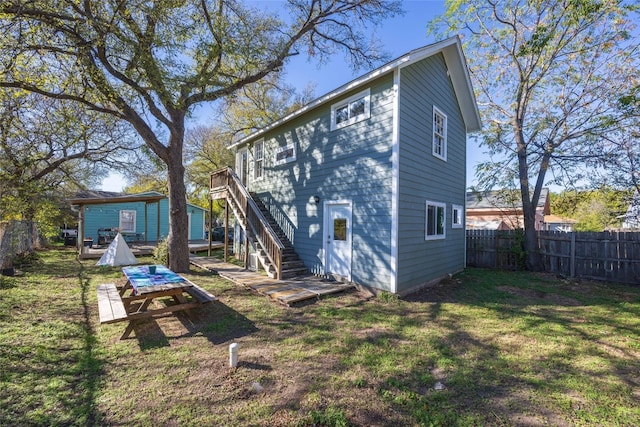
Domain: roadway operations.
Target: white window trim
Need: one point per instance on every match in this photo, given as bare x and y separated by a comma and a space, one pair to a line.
121, 228
460, 210
366, 94
256, 159
288, 159
426, 221
443, 156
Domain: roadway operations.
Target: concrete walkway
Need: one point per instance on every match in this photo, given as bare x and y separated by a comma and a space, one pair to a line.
288, 291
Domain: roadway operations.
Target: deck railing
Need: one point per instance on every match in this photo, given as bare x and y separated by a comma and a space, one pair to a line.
226, 184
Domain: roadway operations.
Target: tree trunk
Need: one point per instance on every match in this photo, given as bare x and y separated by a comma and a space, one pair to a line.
178, 239
532, 261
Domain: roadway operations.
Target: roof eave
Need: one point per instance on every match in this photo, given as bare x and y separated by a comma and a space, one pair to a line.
456, 63
111, 200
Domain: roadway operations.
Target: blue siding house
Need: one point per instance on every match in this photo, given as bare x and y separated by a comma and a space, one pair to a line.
140, 217
366, 183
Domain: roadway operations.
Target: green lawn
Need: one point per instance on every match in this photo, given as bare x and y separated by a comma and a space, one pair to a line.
507, 348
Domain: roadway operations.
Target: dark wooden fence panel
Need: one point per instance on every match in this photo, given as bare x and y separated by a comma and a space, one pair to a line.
611, 256
494, 249
555, 251
481, 250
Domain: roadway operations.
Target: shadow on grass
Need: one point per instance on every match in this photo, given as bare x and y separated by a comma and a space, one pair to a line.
216, 321
90, 365
552, 352
50, 370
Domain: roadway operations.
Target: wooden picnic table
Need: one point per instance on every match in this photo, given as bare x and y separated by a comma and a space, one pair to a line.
134, 300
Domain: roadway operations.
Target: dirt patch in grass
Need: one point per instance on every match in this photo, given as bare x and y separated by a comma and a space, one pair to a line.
540, 297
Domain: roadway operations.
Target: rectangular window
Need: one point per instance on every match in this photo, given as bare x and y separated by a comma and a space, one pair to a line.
258, 166
352, 110
128, 221
439, 134
435, 222
457, 220
285, 154
340, 229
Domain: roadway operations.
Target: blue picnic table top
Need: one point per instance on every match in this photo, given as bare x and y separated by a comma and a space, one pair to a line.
140, 277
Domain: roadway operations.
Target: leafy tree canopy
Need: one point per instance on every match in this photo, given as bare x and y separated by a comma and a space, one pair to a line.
547, 75
49, 149
151, 63
595, 210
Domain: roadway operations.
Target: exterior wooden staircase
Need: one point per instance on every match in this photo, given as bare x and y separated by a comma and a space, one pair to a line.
292, 265
275, 252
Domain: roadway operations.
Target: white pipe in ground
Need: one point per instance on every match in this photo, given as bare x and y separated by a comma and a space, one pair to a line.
233, 355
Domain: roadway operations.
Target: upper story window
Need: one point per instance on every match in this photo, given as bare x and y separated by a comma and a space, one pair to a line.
439, 134
285, 154
435, 224
351, 110
128, 221
258, 160
457, 221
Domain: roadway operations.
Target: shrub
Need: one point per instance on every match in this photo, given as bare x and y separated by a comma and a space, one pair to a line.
161, 252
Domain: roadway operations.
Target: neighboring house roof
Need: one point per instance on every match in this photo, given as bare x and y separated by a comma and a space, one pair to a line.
450, 48
97, 197
498, 199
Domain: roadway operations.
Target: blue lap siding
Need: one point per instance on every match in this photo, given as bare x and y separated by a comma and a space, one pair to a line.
422, 176
382, 165
349, 164
107, 215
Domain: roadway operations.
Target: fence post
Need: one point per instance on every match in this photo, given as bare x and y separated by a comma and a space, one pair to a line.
572, 259
496, 245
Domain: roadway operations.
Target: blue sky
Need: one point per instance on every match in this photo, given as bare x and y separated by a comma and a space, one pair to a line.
398, 36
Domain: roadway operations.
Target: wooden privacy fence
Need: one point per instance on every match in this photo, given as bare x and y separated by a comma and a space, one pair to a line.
612, 256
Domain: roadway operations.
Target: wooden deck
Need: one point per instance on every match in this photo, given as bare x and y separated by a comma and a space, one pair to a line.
140, 249
287, 292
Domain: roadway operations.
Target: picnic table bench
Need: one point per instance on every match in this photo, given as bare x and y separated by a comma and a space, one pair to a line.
115, 305
110, 306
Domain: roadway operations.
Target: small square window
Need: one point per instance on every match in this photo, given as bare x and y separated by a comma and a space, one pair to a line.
435, 221
128, 221
457, 220
342, 114
439, 148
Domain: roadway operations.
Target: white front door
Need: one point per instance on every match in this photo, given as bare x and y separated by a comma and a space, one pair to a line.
338, 239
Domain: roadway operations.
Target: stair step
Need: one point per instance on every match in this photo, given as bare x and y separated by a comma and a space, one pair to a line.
287, 274
292, 265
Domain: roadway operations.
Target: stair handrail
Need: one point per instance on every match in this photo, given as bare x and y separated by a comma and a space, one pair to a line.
254, 218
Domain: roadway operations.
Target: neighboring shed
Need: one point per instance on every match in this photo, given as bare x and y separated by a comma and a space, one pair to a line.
140, 217
366, 183
559, 223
